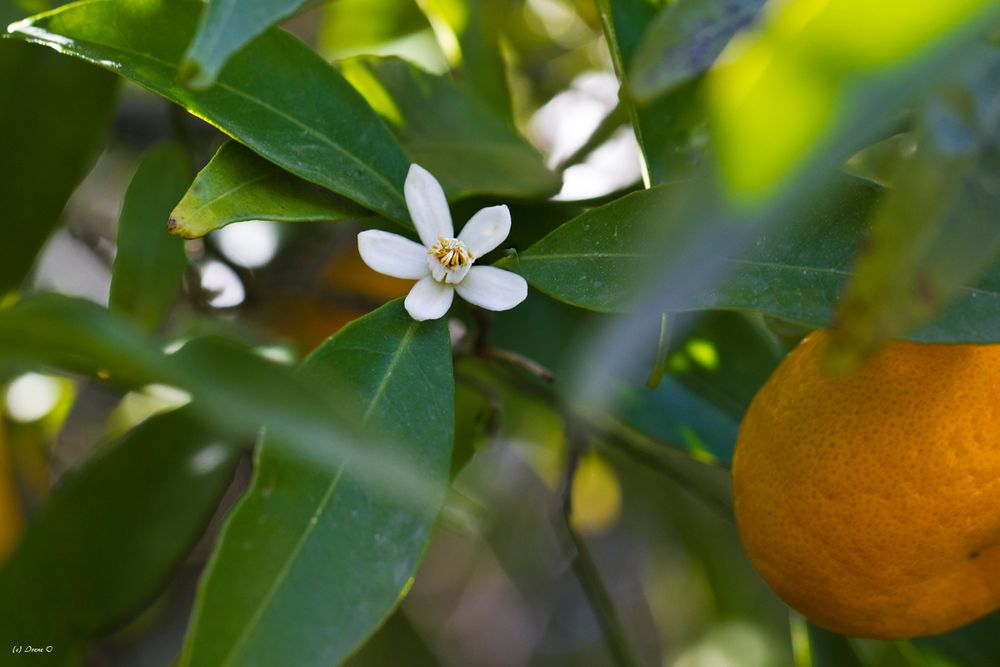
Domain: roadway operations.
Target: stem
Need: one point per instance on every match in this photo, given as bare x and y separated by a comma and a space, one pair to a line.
586, 570
662, 351
518, 360
651, 455
481, 348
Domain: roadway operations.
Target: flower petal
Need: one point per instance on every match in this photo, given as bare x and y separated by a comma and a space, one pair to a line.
486, 230
428, 206
492, 288
429, 299
393, 254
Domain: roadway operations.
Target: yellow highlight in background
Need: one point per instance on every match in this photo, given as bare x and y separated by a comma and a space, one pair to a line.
596, 496
778, 91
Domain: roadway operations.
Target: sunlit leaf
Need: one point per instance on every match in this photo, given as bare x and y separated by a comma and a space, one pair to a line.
796, 272
470, 27
109, 537
225, 27
149, 264
796, 95
311, 563
683, 41
470, 148
335, 140
379, 27
239, 185
52, 134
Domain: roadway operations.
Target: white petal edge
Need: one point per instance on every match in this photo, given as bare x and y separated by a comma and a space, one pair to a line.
427, 204
429, 299
492, 288
486, 230
393, 254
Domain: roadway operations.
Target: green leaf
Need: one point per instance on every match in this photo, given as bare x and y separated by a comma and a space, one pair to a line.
311, 563
473, 25
795, 272
454, 135
714, 371
77, 335
238, 185
384, 27
828, 649
663, 128
683, 41
149, 264
109, 537
335, 140
594, 261
226, 26
232, 388
52, 134
973, 645
936, 231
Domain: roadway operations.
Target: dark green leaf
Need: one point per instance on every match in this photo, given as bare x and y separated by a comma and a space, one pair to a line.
54, 118
974, 645
454, 135
239, 185
227, 26
311, 562
828, 649
683, 41
335, 140
109, 537
595, 260
149, 264
796, 273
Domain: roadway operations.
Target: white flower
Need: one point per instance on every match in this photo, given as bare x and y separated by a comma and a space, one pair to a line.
443, 265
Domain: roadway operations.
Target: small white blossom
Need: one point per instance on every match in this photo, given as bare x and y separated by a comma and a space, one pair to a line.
443, 264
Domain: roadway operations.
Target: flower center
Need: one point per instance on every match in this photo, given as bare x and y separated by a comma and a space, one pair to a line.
451, 253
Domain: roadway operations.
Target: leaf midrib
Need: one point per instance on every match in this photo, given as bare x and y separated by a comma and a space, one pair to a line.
749, 262
324, 504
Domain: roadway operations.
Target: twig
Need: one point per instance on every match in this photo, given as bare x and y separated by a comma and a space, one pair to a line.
481, 347
586, 570
518, 360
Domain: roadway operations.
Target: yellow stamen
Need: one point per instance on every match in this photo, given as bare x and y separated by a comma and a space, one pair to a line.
452, 253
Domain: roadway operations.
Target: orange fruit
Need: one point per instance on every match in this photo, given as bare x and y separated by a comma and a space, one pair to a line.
871, 502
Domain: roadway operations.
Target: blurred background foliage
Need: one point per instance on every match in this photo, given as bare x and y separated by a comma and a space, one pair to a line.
839, 148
